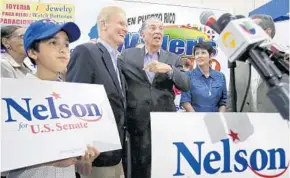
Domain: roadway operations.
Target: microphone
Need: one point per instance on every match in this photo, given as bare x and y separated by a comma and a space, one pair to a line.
240, 16
240, 39
273, 50
207, 18
279, 57
223, 20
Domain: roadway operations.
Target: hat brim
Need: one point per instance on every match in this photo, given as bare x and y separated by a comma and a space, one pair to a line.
72, 30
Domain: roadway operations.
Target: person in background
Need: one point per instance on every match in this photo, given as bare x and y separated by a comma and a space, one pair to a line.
96, 63
186, 64
150, 74
208, 91
13, 64
266, 23
47, 43
140, 45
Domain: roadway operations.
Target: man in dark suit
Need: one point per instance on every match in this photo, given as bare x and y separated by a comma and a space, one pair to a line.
96, 63
150, 74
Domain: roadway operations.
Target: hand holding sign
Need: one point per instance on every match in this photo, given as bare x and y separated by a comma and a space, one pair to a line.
90, 155
64, 163
157, 67
84, 166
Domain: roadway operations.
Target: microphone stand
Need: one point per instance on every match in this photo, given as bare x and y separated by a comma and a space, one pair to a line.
278, 92
232, 66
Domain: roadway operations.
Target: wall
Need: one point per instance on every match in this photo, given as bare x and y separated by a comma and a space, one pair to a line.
236, 6
282, 34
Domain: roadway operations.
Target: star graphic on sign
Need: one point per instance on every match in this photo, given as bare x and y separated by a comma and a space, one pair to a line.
234, 135
55, 95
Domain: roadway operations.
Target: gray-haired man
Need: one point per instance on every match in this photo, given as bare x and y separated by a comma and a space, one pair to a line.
266, 22
150, 74
257, 100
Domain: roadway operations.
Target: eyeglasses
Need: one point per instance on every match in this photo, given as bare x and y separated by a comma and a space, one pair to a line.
18, 36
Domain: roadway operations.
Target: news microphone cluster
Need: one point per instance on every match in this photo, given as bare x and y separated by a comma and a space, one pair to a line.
240, 39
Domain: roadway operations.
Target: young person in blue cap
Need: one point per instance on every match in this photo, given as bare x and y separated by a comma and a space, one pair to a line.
47, 44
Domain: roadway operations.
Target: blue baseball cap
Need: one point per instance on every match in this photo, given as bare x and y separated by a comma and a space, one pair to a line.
47, 28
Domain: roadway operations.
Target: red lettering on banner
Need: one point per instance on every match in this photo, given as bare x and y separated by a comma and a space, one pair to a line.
20, 14
7, 13
18, 6
16, 14
15, 21
79, 125
46, 128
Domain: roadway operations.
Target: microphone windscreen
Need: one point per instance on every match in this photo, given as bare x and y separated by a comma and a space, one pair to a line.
240, 16
204, 16
224, 20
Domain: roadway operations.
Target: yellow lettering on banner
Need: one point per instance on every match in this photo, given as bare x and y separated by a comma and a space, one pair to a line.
26, 13
40, 8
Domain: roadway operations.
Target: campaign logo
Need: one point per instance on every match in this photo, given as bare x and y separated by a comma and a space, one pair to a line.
247, 27
229, 40
23, 111
177, 39
256, 161
182, 39
266, 163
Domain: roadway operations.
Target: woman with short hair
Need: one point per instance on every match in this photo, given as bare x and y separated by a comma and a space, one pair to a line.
12, 60
208, 91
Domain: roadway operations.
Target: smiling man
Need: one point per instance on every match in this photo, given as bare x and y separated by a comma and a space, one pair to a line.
150, 73
96, 63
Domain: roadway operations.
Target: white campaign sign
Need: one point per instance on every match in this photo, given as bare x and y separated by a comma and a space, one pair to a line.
239, 145
44, 121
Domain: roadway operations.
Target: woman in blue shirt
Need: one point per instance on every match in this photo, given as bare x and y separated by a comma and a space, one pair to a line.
208, 92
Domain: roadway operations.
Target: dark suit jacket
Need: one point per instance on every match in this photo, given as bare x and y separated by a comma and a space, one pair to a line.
144, 97
91, 63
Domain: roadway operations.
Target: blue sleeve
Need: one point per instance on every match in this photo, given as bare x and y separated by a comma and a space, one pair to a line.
223, 100
186, 96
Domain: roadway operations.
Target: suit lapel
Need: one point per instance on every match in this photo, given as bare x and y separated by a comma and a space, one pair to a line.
141, 65
163, 58
109, 65
123, 83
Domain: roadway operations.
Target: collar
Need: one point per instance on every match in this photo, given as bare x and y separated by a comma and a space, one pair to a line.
200, 73
33, 76
110, 49
10, 59
147, 52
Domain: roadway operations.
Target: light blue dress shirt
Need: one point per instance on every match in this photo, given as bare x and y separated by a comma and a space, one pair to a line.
149, 57
114, 57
